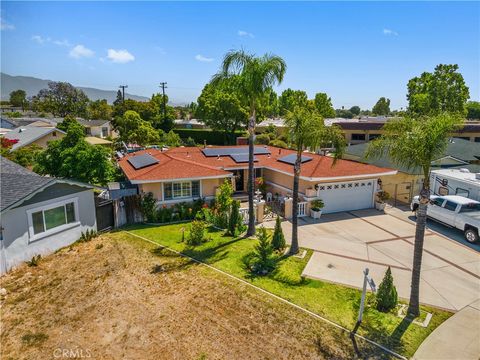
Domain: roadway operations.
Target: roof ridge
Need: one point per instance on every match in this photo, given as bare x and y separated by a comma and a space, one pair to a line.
194, 163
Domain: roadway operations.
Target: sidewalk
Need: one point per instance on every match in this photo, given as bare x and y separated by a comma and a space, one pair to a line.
456, 338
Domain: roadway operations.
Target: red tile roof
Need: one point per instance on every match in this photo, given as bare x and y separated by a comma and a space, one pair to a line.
190, 162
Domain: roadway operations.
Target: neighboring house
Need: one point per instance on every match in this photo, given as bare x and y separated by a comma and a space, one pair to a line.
92, 140
406, 183
26, 121
40, 214
186, 173
30, 135
97, 128
189, 124
360, 131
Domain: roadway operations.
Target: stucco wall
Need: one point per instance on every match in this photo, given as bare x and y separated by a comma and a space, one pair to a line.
284, 181
17, 246
42, 142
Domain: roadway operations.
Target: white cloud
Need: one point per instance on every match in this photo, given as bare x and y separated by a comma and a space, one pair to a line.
6, 26
80, 51
119, 56
389, 32
62, 43
202, 58
244, 33
38, 39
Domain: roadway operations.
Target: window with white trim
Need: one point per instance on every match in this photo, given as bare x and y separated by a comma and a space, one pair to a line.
181, 189
49, 218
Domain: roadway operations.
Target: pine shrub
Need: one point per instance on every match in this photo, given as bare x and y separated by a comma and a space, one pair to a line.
197, 233
278, 239
263, 255
234, 219
386, 298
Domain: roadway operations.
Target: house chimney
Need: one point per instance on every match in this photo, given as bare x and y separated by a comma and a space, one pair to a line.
204, 143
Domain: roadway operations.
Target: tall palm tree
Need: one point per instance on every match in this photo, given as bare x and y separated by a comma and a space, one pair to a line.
415, 143
307, 131
257, 75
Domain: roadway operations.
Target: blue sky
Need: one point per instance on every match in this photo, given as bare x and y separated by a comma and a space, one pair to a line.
356, 52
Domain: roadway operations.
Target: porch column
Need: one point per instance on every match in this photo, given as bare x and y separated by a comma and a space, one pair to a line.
288, 208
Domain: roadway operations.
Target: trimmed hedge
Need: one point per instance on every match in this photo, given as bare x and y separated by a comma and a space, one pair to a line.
211, 136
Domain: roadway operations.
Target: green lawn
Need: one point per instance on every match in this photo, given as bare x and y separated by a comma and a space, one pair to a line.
337, 303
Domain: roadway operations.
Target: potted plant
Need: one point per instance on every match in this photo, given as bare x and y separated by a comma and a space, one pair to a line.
316, 207
380, 200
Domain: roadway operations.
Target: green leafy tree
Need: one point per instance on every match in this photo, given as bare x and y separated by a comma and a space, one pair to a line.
382, 107
221, 107
278, 239
26, 156
355, 110
133, 129
257, 75
386, 297
307, 131
323, 104
65, 124
197, 233
172, 139
263, 254
473, 110
18, 98
163, 113
414, 142
289, 99
223, 201
73, 158
118, 99
444, 90
61, 99
99, 110
342, 113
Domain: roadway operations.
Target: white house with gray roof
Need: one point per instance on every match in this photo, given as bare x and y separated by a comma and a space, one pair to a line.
39, 214
30, 135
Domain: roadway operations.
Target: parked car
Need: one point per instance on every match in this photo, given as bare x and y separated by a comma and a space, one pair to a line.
454, 211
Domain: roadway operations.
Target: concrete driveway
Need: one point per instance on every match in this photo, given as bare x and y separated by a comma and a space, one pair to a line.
346, 243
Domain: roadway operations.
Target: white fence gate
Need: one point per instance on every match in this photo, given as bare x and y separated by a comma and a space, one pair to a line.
302, 209
244, 214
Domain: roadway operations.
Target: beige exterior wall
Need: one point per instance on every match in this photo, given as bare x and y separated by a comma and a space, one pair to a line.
42, 142
472, 136
207, 187
402, 186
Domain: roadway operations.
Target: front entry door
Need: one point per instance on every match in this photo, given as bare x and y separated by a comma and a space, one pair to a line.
239, 180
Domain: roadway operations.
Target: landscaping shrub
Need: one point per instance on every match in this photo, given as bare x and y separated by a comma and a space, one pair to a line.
189, 142
210, 136
34, 261
263, 260
235, 223
278, 143
223, 201
88, 235
386, 298
278, 239
148, 206
197, 232
262, 139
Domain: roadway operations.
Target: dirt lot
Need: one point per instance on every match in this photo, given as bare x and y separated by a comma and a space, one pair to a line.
118, 297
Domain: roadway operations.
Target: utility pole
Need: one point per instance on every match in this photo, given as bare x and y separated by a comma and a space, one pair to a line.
123, 87
163, 85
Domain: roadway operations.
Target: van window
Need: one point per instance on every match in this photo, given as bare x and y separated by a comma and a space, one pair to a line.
438, 201
449, 205
462, 192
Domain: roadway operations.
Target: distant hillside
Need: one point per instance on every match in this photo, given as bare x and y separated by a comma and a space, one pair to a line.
33, 85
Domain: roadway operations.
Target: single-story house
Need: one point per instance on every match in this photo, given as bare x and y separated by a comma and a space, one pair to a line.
40, 214
30, 135
186, 173
407, 183
97, 128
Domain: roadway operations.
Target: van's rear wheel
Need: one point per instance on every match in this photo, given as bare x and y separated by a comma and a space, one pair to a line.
471, 235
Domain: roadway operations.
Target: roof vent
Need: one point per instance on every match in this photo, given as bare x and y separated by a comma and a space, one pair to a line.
21, 130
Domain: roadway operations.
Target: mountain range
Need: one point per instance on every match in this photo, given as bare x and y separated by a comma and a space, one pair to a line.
32, 86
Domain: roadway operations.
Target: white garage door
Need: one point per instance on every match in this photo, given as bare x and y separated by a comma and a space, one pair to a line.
346, 196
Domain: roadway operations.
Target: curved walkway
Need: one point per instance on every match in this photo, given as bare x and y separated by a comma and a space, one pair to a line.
456, 338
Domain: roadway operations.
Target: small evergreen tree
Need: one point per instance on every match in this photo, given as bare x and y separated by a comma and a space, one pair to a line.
234, 218
387, 297
197, 233
264, 262
278, 239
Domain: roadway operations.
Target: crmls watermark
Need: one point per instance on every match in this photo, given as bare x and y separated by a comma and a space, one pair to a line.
60, 353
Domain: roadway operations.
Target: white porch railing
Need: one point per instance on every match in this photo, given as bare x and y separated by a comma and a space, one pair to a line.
302, 209
244, 214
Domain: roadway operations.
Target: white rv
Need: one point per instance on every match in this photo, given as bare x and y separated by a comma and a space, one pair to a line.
455, 182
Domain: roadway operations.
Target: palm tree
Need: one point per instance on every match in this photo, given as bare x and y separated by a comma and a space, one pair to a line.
415, 143
257, 75
307, 131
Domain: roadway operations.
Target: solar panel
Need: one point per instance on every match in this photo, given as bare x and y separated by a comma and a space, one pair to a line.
141, 161
227, 151
241, 158
290, 159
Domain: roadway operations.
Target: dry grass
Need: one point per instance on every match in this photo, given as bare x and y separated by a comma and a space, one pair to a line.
117, 297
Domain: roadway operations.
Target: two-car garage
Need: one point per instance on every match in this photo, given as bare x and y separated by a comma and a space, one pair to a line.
347, 196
